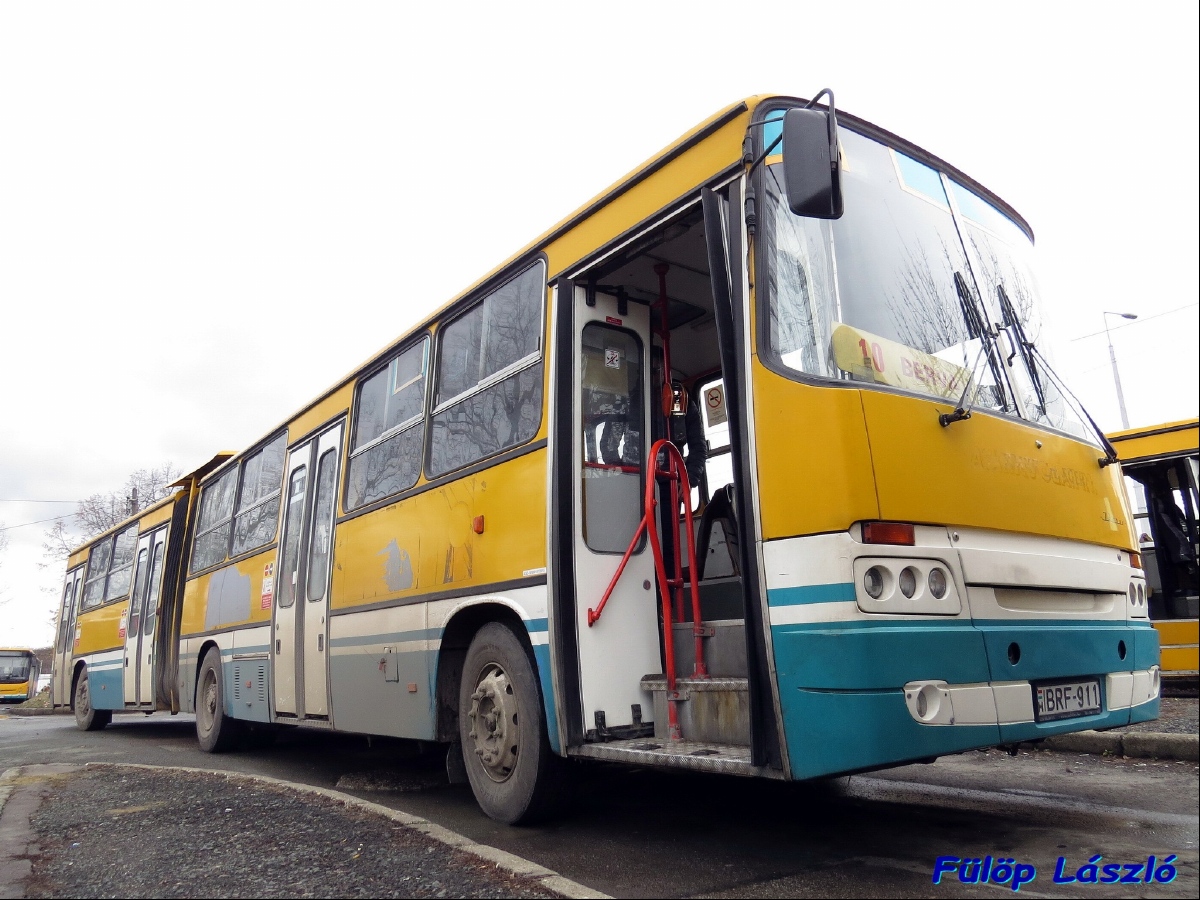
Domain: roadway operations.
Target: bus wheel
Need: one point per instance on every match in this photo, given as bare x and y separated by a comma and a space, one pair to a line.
87, 717
215, 731
502, 726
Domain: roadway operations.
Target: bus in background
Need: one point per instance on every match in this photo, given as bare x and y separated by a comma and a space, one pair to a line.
117, 642
905, 540
20, 670
1160, 464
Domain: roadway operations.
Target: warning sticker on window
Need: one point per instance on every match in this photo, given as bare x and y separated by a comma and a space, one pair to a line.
612, 358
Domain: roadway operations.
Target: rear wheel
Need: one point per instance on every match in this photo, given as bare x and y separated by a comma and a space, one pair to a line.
502, 725
216, 731
87, 717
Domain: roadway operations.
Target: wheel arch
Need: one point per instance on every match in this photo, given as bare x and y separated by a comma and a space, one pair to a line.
457, 634
76, 671
209, 644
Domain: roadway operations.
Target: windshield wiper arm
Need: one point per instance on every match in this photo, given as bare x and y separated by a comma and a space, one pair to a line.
977, 327
1022, 343
1110, 452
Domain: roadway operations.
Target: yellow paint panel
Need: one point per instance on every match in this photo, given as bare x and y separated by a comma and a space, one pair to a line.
246, 575
677, 178
989, 472
99, 629
426, 543
814, 462
336, 402
1179, 659
1143, 443
1178, 631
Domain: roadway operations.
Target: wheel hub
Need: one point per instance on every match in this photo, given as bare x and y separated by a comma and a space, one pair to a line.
495, 726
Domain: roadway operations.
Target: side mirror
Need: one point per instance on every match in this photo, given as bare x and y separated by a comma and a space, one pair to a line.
811, 168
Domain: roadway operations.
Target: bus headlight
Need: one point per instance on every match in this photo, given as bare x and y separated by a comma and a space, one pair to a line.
873, 582
908, 582
937, 583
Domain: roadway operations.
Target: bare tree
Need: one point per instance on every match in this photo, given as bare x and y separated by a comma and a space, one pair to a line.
99, 512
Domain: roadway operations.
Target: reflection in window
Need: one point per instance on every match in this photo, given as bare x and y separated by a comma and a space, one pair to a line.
389, 430
215, 521
110, 568
139, 593
258, 504
293, 527
613, 418
504, 415
503, 331
155, 586
322, 537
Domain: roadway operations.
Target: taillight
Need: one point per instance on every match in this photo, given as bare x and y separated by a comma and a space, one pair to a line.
889, 533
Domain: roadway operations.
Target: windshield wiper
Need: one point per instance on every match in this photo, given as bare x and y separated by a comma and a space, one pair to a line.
978, 328
1110, 452
1011, 320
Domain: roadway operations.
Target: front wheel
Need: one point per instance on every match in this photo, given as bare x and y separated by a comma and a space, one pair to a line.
502, 726
216, 731
87, 717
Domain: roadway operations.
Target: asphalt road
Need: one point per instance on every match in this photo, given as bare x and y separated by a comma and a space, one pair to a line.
640, 833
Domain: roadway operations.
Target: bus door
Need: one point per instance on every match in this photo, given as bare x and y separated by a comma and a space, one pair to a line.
611, 443
64, 649
140, 620
301, 610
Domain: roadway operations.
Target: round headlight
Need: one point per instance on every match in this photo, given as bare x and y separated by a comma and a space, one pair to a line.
873, 582
908, 582
937, 583
1141, 594
1133, 593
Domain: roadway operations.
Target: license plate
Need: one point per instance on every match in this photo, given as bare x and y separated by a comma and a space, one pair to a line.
1066, 699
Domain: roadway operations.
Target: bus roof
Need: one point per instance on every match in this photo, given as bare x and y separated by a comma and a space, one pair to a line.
1158, 441
742, 108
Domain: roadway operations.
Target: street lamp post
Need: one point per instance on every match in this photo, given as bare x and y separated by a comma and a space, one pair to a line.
1112, 355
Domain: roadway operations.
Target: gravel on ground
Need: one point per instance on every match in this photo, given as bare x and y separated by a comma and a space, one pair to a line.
112, 832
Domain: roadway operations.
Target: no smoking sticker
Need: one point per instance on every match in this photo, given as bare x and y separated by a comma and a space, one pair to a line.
714, 405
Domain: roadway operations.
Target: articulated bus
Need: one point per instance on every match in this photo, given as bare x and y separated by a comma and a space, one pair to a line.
891, 534
1162, 463
20, 670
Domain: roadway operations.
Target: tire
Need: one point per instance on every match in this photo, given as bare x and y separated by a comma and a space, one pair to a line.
216, 731
87, 717
513, 773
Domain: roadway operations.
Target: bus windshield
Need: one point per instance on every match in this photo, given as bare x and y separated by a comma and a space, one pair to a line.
921, 286
14, 666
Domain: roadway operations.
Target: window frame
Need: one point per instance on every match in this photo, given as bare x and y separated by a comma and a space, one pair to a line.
111, 541
421, 418
512, 370
237, 468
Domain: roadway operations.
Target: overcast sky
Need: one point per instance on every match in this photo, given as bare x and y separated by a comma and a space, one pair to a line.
210, 212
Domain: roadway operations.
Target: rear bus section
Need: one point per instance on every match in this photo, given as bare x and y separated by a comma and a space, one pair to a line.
116, 646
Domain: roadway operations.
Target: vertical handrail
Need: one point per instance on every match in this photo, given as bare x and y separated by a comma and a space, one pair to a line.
670, 588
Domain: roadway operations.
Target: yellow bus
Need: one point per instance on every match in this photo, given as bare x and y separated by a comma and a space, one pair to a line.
901, 537
116, 645
1161, 462
19, 672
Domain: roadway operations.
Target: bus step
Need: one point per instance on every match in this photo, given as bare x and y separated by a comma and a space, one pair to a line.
711, 710
698, 756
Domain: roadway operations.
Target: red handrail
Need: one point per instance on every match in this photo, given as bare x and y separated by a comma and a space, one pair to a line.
670, 588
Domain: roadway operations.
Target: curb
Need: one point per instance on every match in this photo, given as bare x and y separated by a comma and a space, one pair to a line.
502, 859
1142, 745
